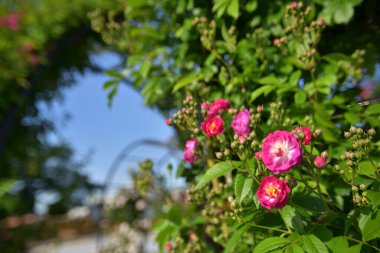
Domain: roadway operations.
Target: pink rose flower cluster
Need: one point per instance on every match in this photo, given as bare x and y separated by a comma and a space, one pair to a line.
281, 151
214, 124
11, 21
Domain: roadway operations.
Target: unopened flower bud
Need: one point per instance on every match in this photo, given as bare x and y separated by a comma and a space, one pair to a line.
371, 132
324, 154
317, 132
359, 131
352, 130
320, 162
354, 188
219, 155
347, 134
362, 187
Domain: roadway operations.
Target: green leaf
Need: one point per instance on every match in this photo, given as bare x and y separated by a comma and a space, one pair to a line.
175, 215
217, 170
271, 244
251, 6
371, 229
294, 78
373, 196
164, 231
373, 109
300, 97
352, 118
338, 244
292, 219
310, 202
262, 90
354, 249
233, 9
235, 237
109, 84
312, 244
294, 248
248, 182
270, 79
114, 73
144, 69
185, 81
366, 168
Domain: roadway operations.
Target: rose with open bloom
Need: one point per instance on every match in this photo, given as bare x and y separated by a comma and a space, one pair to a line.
281, 151
320, 162
219, 105
213, 126
305, 132
273, 192
240, 124
190, 153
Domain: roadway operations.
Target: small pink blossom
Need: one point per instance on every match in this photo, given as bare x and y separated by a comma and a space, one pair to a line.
168, 246
258, 155
204, 105
305, 131
260, 108
276, 41
273, 192
168, 121
320, 162
240, 124
217, 107
294, 4
281, 151
190, 153
320, 22
213, 126
193, 236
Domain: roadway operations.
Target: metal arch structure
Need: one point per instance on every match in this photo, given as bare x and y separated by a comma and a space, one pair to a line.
124, 153
127, 150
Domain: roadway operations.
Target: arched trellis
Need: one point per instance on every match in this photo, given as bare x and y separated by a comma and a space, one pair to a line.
172, 151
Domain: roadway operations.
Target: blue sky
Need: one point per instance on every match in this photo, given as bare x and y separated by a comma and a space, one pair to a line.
106, 131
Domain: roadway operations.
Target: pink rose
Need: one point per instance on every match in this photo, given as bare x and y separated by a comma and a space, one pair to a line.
190, 153
305, 131
240, 124
258, 155
273, 192
217, 106
281, 151
213, 126
320, 162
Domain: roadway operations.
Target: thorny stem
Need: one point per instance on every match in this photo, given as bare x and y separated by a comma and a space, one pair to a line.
361, 242
270, 228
